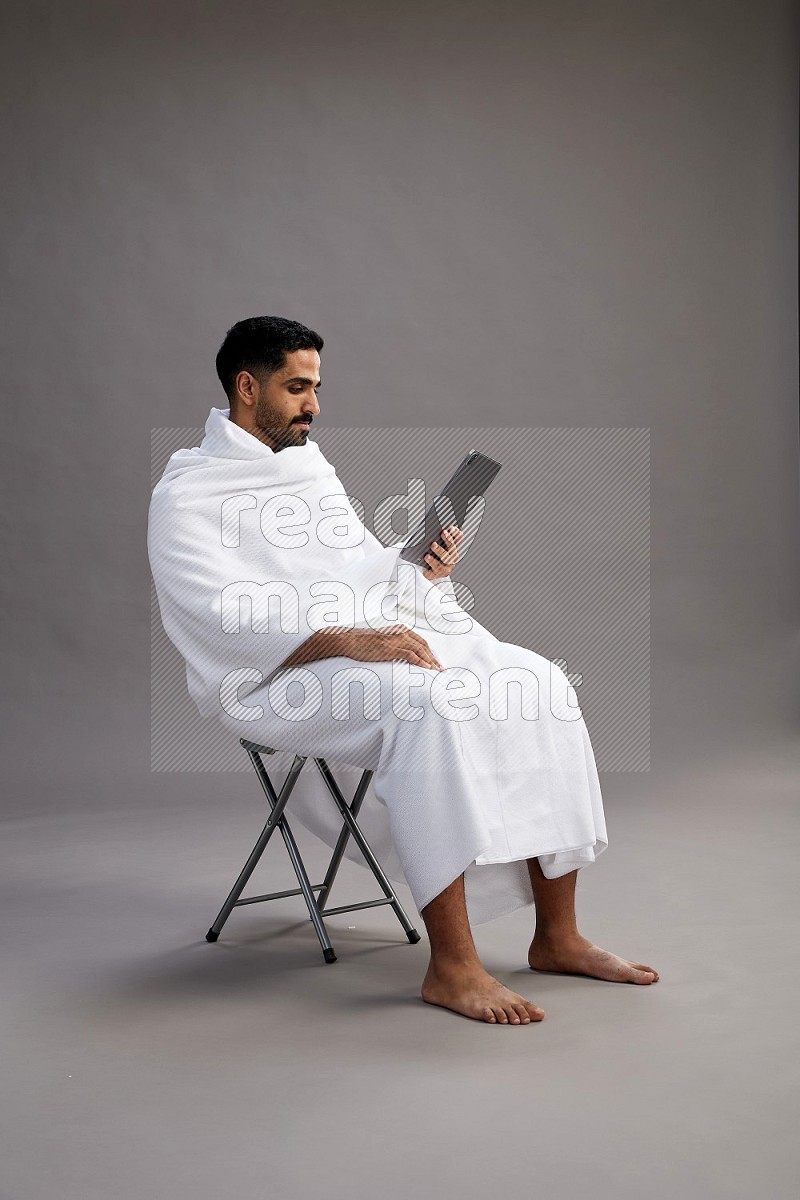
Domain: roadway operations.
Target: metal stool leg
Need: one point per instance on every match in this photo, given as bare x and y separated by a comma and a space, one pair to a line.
366, 849
275, 821
341, 843
328, 952
278, 820
306, 888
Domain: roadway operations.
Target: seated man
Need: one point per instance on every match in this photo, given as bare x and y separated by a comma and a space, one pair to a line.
484, 808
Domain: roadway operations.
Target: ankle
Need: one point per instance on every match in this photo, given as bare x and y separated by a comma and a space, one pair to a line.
556, 934
447, 964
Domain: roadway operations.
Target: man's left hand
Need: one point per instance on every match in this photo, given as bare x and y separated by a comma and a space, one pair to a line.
442, 559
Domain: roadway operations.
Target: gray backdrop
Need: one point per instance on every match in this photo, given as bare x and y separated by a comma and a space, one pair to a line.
511, 215
547, 216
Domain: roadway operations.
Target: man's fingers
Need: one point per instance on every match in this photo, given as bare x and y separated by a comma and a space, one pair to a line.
411, 648
412, 633
418, 660
424, 654
434, 562
421, 651
424, 649
444, 555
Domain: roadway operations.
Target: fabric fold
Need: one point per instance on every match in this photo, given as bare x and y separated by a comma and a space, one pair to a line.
476, 768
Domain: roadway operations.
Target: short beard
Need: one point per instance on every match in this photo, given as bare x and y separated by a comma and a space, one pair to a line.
266, 422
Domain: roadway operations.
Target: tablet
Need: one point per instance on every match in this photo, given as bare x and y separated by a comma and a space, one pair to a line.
464, 490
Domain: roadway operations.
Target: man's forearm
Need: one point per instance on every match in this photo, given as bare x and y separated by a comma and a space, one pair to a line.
323, 643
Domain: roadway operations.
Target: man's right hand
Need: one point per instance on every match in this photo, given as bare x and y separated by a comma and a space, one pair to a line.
395, 643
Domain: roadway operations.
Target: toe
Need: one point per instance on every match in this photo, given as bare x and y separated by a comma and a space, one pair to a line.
522, 1013
500, 1013
534, 1012
643, 976
644, 967
489, 1017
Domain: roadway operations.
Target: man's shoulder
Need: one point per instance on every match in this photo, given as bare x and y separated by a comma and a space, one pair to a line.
186, 471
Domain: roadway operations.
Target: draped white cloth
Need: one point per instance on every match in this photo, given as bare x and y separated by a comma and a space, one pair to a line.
477, 767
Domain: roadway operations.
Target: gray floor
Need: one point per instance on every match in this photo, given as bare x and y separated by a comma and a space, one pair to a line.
143, 1062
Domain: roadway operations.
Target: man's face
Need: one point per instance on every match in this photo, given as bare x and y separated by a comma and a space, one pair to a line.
287, 401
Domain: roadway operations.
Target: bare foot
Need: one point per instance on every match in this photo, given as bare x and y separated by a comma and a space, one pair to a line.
473, 992
578, 956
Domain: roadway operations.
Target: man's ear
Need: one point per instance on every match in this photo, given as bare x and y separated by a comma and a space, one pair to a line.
246, 388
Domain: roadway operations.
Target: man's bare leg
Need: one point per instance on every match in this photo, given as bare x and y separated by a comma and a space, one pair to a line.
557, 945
456, 978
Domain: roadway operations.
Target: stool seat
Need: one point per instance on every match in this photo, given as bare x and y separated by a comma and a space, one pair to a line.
277, 820
256, 747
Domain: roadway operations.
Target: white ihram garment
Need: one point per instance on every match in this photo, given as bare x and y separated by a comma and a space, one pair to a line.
466, 779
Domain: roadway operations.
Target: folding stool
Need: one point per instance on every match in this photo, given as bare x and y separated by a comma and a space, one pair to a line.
277, 820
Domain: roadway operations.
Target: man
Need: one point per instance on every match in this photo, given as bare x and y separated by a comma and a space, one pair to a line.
486, 810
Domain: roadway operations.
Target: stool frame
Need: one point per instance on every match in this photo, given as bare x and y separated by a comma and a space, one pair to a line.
277, 820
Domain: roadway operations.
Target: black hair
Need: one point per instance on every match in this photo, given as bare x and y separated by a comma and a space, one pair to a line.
260, 345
